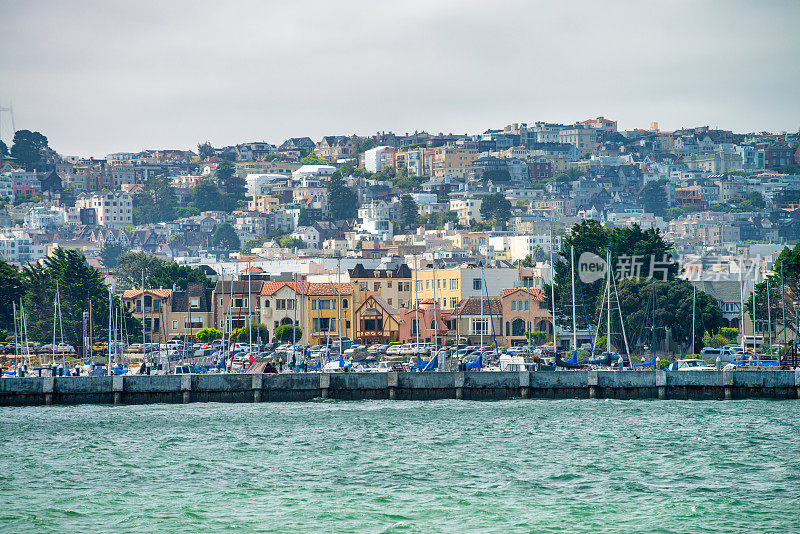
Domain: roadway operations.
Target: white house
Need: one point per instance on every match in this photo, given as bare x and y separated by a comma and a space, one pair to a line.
372, 158
306, 171
309, 235
112, 208
17, 246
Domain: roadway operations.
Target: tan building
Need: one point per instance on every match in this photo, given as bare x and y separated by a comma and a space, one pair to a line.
335, 147
583, 138
264, 204
394, 285
113, 209
234, 302
467, 209
522, 312
189, 312
280, 305
453, 161
152, 307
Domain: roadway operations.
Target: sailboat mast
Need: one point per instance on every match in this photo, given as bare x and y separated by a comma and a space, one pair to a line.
552, 294
108, 351
416, 302
755, 279
783, 305
55, 312
694, 315
16, 343
481, 297
769, 316
435, 305
294, 324
339, 293
608, 301
574, 321
741, 305
249, 307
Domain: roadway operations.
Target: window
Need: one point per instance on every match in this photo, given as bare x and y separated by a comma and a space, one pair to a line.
527, 303
476, 284
344, 304
414, 328
194, 322
174, 325
267, 303
324, 304
194, 303
454, 283
513, 305
156, 305
280, 304
389, 285
419, 285
427, 284
480, 325
240, 303
453, 302
314, 304
324, 324
376, 286
347, 324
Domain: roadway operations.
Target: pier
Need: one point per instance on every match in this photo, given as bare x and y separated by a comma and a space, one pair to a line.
176, 389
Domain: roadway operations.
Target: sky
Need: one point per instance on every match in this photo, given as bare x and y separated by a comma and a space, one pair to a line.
98, 77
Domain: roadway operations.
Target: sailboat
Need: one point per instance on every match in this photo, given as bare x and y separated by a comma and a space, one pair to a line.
572, 363
610, 357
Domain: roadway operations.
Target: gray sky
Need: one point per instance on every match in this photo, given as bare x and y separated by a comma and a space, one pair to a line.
100, 77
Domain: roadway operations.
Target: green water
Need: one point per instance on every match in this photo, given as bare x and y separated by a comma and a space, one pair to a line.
383, 466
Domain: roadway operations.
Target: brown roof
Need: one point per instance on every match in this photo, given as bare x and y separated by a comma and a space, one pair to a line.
328, 288
134, 293
270, 288
472, 306
536, 293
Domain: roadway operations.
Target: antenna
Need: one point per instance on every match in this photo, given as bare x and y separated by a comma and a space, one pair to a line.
10, 111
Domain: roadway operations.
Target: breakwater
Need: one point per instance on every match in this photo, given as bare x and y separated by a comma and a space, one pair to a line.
136, 389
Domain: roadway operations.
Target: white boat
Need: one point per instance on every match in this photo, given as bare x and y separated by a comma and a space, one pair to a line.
692, 364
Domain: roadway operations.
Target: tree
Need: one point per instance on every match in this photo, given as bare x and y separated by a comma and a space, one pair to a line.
303, 219
110, 252
206, 196
674, 213
78, 283
176, 239
251, 244
157, 202
225, 170
205, 150
130, 265
208, 334
496, 175
225, 237
654, 197
634, 253
342, 201
408, 212
288, 241
3, 149
28, 148
673, 312
11, 290
496, 207
260, 333
313, 159
169, 274
288, 333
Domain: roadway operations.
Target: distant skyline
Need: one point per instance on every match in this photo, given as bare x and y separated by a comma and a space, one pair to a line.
102, 77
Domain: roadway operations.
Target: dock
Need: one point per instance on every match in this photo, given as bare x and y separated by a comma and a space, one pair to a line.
579, 384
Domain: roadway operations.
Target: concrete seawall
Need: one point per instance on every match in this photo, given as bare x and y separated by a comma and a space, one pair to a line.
408, 386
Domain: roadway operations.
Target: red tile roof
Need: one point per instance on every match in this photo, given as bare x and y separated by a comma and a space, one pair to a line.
536, 293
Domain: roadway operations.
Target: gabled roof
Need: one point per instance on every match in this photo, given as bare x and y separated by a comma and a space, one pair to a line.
329, 288
137, 293
270, 288
472, 306
535, 293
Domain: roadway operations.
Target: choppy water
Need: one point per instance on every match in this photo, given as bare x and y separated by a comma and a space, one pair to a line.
383, 466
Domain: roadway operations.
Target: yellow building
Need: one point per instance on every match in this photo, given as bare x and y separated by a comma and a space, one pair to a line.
456, 283
326, 306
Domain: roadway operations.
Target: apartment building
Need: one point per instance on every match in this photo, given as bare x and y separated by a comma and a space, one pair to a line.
281, 305
467, 209
582, 138
113, 209
452, 284
453, 161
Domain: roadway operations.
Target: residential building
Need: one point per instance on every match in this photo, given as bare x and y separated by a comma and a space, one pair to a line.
112, 208
478, 321
467, 209
189, 311
150, 306
522, 312
280, 305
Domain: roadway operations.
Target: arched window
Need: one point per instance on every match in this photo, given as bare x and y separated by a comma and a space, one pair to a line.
508, 328
344, 304
433, 325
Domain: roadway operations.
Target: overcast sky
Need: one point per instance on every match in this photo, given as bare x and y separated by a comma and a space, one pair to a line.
101, 77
